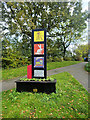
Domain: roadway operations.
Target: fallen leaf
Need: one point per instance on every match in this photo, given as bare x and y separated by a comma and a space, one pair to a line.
40, 111
63, 117
71, 109
10, 90
62, 106
30, 113
71, 116
50, 114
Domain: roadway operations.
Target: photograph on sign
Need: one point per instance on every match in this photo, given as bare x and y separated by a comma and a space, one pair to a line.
38, 62
38, 73
38, 36
38, 49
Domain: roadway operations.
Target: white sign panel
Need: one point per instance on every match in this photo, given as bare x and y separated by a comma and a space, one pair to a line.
38, 73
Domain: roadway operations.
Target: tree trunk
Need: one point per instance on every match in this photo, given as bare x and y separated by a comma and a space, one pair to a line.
64, 52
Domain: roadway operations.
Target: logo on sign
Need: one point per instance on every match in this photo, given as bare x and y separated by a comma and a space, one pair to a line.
39, 62
38, 49
38, 36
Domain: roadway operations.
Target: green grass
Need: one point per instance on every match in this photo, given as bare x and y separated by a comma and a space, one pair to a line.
87, 67
54, 65
70, 101
22, 71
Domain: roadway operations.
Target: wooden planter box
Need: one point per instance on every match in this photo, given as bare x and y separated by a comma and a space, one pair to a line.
36, 86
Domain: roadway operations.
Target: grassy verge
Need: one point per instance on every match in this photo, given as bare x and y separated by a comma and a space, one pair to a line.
54, 65
87, 67
70, 101
22, 71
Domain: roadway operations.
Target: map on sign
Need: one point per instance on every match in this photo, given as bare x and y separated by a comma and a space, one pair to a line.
38, 62
38, 36
38, 73
38, 49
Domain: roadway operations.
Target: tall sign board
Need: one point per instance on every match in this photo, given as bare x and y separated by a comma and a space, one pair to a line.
39, 53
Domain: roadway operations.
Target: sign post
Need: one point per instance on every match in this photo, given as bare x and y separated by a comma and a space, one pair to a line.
39, 53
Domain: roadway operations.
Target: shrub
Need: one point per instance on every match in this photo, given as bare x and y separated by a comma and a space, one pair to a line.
14, 62
58, 59
54, 59
78, 58
67, 58
50, 59
6, 62
87, 67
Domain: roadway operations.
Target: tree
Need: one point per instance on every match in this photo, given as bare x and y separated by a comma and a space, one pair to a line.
62, 25
70, 25
23, 17
81, 51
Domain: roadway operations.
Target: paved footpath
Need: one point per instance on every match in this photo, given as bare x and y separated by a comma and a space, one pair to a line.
76, 70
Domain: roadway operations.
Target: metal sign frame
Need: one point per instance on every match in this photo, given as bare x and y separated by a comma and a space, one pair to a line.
41, 41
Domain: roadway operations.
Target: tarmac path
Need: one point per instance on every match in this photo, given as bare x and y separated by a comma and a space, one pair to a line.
76, 70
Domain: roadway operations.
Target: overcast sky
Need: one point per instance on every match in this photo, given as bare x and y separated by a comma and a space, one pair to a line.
85, 4
84, 7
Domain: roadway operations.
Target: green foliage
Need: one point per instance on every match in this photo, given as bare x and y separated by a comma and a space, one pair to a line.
12, 57
14, 62
35, 79
67, 58
87, 67
81, 52
63, 26
70, 101
78, 58
50, 59
55, 59
6, 62
69, 26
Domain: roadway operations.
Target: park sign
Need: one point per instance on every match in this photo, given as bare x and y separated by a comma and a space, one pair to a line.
38, 68
39, 53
